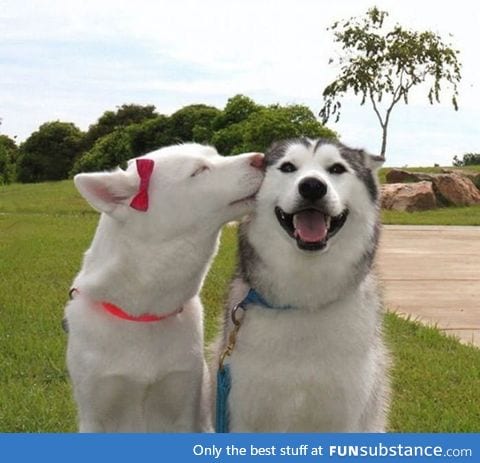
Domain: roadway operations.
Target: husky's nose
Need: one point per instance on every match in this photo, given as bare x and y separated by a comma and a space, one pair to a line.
311, 188
258, 160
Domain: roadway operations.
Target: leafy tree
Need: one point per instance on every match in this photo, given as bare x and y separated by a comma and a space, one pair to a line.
49, 153
382, 65
124, 143
231, 139
469, 159
150, 135
124, 116
250, 127
8, 156
108, 152
266, 125
193, 123
237, 109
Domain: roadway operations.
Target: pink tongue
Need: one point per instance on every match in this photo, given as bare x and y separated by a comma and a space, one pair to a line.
310, 226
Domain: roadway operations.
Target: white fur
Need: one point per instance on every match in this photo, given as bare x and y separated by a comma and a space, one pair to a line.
151, 377
319, 367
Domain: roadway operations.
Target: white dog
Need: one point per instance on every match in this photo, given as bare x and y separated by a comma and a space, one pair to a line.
135, 346
309, 354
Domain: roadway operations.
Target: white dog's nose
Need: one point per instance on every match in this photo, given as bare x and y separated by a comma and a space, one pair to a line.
258, 160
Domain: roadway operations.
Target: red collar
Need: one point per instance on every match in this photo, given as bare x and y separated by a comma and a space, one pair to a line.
116, 311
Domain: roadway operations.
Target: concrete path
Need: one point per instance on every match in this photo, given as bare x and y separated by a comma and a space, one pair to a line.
433, 274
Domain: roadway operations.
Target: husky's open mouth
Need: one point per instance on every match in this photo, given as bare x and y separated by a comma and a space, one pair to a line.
311, 228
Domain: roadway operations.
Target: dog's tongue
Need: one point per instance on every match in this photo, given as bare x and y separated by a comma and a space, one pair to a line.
310, 226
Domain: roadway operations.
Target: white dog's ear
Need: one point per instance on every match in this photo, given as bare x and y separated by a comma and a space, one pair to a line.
374, 162
105, 191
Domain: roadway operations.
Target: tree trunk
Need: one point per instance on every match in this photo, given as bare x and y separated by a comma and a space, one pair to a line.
384, 141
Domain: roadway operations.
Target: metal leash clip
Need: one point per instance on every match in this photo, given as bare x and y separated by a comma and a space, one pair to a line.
232, 337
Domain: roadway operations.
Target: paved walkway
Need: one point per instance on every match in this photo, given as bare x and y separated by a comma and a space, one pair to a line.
433, 274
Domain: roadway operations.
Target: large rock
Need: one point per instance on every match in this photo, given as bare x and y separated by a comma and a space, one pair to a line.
473, 176
408, 196
455, 189
403, 176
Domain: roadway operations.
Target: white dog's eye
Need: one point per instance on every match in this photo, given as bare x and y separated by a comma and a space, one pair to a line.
199, 171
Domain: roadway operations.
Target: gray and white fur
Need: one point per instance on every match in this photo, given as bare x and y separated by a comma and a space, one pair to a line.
320, 366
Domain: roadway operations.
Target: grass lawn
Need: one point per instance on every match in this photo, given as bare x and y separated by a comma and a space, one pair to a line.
44, 230
441, 216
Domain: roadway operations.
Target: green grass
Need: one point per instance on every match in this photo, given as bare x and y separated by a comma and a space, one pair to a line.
43, 198
435, 379
44, 230
442, 216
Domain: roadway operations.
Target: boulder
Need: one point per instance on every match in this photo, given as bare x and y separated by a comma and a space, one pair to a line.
473, 176
403, 176
408, 196
455, 189
399, 176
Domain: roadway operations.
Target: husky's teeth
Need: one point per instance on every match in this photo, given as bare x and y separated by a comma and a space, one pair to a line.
295, 221
328, 219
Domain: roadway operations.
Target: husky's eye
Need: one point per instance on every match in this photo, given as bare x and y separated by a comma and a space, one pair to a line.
199, 171
287, 167
337, 168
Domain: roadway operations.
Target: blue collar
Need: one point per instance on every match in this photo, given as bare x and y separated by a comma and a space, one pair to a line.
254, 297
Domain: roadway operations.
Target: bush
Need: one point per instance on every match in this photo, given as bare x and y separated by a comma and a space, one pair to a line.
237, 109
268, 124
124, 116
125, 143
49, 153
108, 152
193, 123
8, 157
150, 135
59, 148
469, 159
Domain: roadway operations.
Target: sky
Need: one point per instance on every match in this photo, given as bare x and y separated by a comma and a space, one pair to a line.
72, 60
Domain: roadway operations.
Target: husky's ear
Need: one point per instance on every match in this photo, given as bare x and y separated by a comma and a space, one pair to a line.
105, 191
374, 162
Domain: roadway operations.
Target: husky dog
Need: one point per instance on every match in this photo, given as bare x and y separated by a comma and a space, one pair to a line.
135, 346
309, 355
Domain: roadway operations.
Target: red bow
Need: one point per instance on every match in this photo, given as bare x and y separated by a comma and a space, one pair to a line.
145, 169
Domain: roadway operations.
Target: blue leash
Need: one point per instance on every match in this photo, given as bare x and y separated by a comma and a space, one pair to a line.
254, 297
223, 390
224, 379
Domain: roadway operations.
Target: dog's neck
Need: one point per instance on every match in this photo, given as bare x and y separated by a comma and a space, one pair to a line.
141, 276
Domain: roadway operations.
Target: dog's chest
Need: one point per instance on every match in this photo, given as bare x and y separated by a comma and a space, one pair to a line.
294, 372
106, 346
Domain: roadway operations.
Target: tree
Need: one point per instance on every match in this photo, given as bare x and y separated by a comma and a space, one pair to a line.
468, 159
8, 156
193, 123
267, 124
124, 143
49, 153
109, 151
378, 63
237, 109
246, 126
150, 135
124, 116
